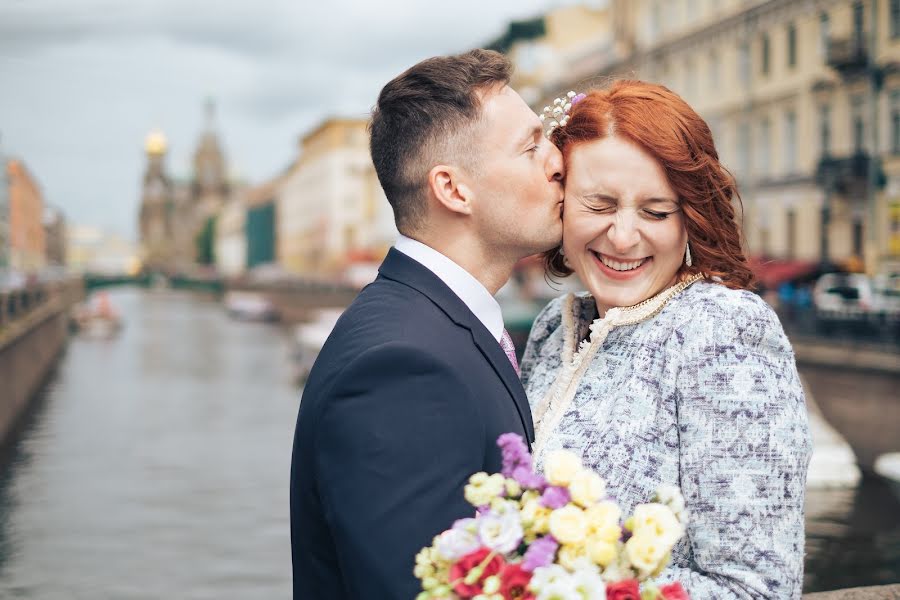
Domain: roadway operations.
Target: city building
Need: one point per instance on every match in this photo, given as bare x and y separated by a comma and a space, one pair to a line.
332, 213
55, 236
177, 217
4, 215
27, 247
544, 48
157, 214
231, 238
92, 250
260, 228
803, 99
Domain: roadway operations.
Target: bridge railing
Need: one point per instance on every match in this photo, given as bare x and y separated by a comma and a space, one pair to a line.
875, 328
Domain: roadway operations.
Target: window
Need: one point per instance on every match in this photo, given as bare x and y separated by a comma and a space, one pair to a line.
690, 88
825, 129
858, 122
744, 63
714, 70
791, 232
858, 21
655, 20
792, 45
743, 149
895, 19
764, 54
790, 141
824, 34
895, 121
764, 147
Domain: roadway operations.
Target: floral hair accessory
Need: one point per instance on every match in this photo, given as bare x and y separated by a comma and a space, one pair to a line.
558, 114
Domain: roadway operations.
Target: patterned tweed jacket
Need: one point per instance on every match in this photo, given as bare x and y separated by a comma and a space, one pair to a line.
697, 387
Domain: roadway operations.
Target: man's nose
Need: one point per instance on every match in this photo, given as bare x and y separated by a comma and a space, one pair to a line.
555, 166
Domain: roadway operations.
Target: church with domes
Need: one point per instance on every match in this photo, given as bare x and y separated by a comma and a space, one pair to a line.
176, 216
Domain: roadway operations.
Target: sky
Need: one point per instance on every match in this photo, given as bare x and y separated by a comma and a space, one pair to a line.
82, 82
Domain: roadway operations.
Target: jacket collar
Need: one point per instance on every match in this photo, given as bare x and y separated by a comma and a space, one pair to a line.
403, 269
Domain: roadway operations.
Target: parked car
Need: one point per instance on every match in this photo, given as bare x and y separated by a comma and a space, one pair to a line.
843, 295
886, 289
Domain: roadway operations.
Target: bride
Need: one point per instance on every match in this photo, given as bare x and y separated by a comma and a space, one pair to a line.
669, 370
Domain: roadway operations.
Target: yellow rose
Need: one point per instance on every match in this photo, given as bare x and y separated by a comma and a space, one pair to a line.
600, 551
535, 517
645, 551
561, 466
659, 521
513, 489
587, 488
483, 488
573, 557
603, 521
568, 525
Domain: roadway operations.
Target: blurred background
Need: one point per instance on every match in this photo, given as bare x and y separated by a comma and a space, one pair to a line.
187, 203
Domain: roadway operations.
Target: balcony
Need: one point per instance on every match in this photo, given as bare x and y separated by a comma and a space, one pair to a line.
847, 56
848, 175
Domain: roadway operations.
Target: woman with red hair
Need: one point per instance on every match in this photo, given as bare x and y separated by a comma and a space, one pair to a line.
669, 370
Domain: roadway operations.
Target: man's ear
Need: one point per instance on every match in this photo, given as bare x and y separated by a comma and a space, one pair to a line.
449, 188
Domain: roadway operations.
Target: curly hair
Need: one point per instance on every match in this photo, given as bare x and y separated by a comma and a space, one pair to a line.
663, 124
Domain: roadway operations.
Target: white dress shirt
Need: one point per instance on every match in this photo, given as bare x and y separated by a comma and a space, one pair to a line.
461, 282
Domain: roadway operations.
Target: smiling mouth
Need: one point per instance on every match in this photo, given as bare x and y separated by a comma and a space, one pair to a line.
621, 266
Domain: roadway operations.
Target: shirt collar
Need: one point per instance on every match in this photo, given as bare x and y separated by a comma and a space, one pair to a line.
473, 294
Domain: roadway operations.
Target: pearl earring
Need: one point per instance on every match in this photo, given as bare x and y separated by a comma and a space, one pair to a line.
687, 255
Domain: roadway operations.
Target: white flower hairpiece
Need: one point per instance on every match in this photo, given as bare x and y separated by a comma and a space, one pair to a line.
558, 114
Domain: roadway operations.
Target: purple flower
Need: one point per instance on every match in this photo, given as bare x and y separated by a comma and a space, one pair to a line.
515, 453
540, 553
578, 98
528, 479
555, 497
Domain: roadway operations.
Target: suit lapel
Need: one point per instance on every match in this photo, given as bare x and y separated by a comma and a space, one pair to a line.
401, 268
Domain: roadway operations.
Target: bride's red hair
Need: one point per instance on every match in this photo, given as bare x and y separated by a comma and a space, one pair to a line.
663, 124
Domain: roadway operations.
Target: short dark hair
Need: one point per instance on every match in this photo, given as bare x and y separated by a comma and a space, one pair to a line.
420, 119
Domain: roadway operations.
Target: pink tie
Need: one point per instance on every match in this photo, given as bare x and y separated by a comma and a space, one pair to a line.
507, 344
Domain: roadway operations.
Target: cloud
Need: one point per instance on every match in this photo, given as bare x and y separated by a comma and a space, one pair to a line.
85, 80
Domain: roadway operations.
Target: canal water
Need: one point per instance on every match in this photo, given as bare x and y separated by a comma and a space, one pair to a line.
156, 465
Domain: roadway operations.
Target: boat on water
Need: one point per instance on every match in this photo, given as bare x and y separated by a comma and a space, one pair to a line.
308, 340
249, 306
97, 319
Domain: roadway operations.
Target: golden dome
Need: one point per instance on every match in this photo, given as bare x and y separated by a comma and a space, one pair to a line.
156, 142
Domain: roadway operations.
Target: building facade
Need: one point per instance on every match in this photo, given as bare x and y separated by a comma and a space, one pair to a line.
331, 209
231, 238
803, 98
55, 236
176, 215
27, 244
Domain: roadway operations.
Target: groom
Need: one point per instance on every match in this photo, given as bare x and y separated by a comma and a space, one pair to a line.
419, 377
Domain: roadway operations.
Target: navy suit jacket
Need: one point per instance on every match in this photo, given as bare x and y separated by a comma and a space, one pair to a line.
404, 403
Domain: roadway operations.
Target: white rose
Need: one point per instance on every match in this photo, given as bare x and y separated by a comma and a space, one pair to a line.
561, 466
587, 488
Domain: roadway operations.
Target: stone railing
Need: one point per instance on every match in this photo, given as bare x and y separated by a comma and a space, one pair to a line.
881, 592
24, 305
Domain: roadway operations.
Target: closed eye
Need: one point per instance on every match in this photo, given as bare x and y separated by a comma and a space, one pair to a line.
657, 214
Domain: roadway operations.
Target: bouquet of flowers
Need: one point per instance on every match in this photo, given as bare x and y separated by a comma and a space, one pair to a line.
552, 537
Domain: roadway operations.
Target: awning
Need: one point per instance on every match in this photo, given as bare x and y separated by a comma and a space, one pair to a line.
772, 272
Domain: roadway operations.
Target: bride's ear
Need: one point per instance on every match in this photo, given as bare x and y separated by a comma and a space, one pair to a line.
449, 189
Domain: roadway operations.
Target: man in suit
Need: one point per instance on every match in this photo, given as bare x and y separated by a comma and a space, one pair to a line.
418, 379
